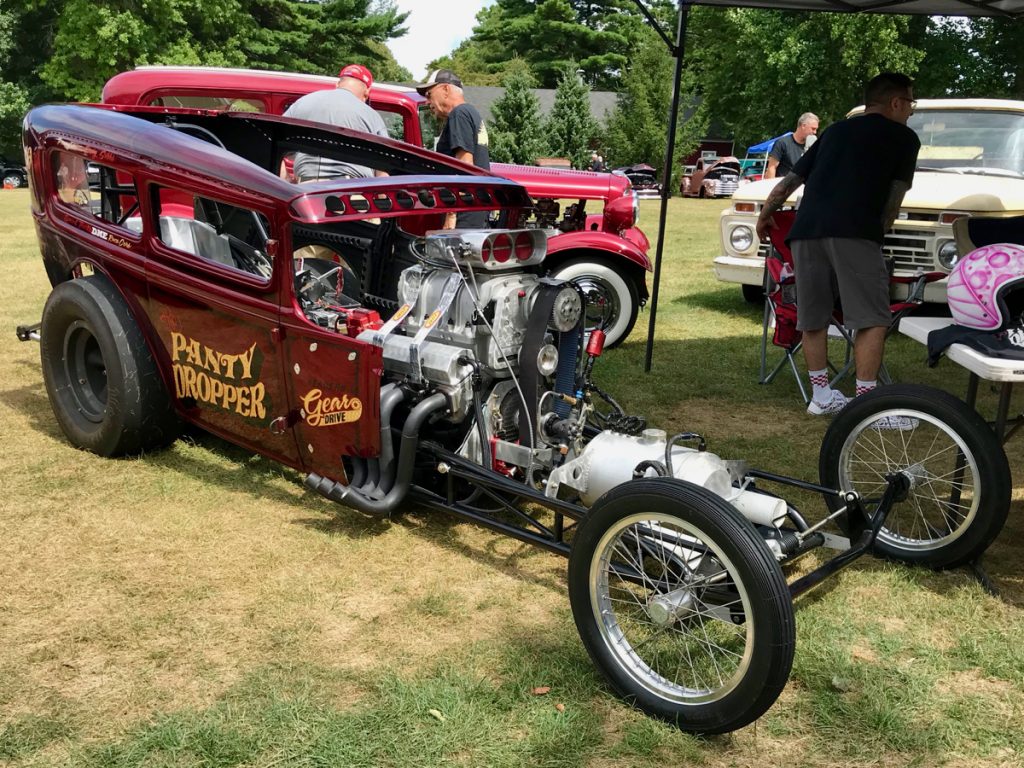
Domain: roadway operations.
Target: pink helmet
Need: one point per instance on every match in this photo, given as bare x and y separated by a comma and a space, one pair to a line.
983, 288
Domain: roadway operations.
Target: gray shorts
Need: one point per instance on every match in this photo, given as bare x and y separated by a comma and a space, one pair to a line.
851, 269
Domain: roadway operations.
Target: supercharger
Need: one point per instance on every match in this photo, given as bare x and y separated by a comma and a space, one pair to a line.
508, 350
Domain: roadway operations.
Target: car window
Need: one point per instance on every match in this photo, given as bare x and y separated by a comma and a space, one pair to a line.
395, 124
218, 232
430, 127
97, 190
222, 103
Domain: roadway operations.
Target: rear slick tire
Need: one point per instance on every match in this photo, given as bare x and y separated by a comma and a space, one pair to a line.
681, 605
101, 379
959, 477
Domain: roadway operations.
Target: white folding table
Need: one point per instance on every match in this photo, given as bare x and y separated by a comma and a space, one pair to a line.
979, 365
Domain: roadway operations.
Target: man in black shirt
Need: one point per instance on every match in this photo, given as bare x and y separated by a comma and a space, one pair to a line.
856, 176
790, 148
463, 137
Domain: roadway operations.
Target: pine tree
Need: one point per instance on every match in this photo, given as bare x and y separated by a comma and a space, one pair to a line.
515, 130
570, 127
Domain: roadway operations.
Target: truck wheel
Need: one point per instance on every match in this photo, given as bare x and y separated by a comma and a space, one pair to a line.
101, 379
612, 295
959, 477
753, 294
681, 605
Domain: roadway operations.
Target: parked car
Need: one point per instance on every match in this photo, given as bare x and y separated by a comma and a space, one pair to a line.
605, 252
971, 163
712, 177
13, 174
333, 327
644, 179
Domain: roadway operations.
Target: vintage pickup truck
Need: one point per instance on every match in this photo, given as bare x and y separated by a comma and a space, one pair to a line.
604, 252
971, 163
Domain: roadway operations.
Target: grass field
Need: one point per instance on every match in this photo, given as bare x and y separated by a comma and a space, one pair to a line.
195, 607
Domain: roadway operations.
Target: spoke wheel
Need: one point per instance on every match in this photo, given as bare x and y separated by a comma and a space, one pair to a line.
958, 477
681, 605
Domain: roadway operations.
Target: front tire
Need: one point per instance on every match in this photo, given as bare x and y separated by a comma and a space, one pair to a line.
612, 296
681, 605
101, 379
958, 473
14, 180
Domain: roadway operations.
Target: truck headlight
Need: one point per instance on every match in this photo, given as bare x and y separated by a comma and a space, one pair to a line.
741, 238
948, 254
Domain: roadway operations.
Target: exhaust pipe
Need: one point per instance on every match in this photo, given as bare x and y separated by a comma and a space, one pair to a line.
357, 498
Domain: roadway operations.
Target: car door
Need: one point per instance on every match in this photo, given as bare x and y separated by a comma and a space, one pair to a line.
213, 291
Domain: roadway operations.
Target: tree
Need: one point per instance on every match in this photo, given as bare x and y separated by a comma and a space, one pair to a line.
569, 127
515, 129
638, 128
759, 70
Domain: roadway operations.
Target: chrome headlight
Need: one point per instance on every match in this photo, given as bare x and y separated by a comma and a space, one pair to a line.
741, 238
948, 254
547, 360
568, 309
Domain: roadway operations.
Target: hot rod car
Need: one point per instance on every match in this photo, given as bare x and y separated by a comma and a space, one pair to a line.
605, 252
333, 327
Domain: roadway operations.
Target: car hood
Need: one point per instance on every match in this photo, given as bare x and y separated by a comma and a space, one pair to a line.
933, 190
549, 182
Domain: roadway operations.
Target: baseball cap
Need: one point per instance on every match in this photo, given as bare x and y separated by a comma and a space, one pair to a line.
359, 72
439, 77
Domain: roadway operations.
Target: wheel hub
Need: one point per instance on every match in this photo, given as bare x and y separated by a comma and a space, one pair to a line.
665, 610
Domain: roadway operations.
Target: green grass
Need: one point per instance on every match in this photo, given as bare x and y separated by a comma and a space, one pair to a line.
195, 607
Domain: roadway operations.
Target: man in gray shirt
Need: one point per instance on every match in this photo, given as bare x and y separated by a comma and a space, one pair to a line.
346, 107
790, 148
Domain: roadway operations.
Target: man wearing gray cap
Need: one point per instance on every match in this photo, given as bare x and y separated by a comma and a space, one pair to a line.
463, 137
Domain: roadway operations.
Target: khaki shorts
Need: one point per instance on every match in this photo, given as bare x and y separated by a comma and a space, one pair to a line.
852, 270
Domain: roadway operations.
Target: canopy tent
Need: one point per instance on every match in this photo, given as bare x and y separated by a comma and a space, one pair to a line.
1004, 8
765, 146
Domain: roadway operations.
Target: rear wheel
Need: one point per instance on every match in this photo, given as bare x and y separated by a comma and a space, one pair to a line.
101, 379
681, 605
958, 475
613, 299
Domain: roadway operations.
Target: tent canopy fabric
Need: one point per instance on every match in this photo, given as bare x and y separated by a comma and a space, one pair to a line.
1010, 8
765, 146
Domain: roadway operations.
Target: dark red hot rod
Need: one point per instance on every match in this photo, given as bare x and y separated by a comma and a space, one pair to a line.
333, 327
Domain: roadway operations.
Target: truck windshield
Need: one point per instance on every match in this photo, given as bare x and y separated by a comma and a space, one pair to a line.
975, 141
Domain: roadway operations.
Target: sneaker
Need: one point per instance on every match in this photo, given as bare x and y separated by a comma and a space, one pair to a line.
901, 423
833, 406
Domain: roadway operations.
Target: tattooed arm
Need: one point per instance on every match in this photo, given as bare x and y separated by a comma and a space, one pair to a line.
775, 201
893, 203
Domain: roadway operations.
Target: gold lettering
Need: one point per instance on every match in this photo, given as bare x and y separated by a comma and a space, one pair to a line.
211, 360
326, 411
193, 356
258, 409
178, 343
246, 358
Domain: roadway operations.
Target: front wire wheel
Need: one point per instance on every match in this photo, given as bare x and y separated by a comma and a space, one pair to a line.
681, 605
958, 476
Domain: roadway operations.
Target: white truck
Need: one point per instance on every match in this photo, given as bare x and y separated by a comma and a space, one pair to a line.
971, 163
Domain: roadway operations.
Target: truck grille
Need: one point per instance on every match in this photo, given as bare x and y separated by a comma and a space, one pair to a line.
910, 249
727, 185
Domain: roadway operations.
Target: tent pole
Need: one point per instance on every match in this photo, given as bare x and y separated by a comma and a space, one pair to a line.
666, 180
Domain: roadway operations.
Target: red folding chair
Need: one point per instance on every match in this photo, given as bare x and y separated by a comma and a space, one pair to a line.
780, 310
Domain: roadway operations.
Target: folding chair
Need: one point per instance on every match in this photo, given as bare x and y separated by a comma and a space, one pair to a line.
780, 310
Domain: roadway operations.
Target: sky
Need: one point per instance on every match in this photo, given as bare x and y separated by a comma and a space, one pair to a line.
435, 28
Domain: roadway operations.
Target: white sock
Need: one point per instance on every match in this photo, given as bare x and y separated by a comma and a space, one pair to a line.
822, 390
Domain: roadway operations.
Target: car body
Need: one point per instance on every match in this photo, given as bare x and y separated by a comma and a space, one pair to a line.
712, 177
971, 163
12, 174
334, 327
604, 251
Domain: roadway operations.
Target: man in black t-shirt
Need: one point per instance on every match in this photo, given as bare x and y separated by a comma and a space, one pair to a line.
785, 152
463, 137
856, 176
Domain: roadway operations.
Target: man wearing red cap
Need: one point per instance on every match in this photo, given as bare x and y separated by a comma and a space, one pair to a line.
344, 106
